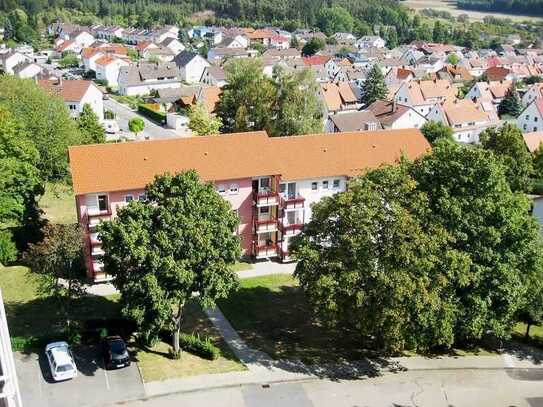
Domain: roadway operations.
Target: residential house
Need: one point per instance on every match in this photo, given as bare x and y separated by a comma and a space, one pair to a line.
90, 55
191, 66
393, 115
10, 60
344, 38
468, 119
271, 185
143, 78
239, 41
144, 46
213, 76
76, 94
209, 96
27, 70
337, 97
533, 92
370, 41
423, 95
262, 36
531, 118
492, 91
289, 53
397, 76
216, 55
454, 74
352, 121
533, 140
173, 44
160, 54
279, 42
498, 73
66, 46
108, 68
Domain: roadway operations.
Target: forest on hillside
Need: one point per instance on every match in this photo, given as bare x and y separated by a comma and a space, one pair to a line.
524, 7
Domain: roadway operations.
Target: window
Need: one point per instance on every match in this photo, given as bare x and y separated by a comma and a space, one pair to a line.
221, 189
264, 183
102, 203
325, 184
535, 129
527, 117
234, 189
128, 198
142, 197
264, 209
535, 119
524, 127
282, 189
314, 186
336, 184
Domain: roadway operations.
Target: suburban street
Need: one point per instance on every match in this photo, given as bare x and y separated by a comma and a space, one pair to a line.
447, 388
152, 130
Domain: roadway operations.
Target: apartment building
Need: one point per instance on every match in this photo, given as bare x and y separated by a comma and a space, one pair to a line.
271, 182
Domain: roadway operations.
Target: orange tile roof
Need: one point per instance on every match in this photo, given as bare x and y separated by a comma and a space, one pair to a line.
69, 90
210, 97
316, 60
331, 96
533, 140
133, 165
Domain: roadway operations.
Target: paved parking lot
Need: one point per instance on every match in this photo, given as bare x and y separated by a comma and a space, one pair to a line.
93, 386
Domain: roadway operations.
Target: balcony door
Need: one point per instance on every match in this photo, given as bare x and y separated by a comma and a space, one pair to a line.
287, 190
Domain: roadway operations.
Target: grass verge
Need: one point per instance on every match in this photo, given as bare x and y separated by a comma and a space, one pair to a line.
58, 203
154, 363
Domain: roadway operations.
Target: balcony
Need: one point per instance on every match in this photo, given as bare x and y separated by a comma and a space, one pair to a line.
291, 228
293, 202
268, 225
266, 198
97, 267
265, 251
94, 239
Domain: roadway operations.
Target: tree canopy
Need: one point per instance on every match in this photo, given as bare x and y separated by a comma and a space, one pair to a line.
90, 127
511, 103
180, 241
508, 145
374, 87
334, 19
426, 254
313, 46
202, 123
434, 131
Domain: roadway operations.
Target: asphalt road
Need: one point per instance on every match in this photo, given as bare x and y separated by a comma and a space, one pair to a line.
93, 385
151, 131
449, 388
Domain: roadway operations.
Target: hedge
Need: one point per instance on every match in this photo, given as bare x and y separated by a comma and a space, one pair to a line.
30, 343
152, 114
199, 347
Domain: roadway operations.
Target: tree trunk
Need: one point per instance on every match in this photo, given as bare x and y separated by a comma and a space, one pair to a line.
527, 334
177, 327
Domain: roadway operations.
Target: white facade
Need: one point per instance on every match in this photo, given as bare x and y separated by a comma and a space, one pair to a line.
92, 97
175, 46
370, 41
193, 70
530, 119
29, 71
12, 60
145, 88
84, 39
110, 71
533, 92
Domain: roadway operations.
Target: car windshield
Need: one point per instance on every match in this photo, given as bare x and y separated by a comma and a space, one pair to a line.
64, 368
117, 347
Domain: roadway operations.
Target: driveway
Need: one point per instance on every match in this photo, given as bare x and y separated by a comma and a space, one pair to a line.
93, 385
152, 130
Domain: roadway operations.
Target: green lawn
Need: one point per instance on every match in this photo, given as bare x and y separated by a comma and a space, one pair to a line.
155, 365
271, 314
58, 203
31, 314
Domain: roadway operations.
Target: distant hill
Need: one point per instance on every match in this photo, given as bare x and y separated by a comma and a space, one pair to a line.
525, 7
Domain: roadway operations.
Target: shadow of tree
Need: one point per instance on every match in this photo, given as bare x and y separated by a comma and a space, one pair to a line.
525, 351
280, 322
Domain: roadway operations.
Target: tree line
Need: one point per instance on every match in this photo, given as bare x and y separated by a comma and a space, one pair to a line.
527, 7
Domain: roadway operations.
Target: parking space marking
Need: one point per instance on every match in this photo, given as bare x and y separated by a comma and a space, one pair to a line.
39, 382
107, 379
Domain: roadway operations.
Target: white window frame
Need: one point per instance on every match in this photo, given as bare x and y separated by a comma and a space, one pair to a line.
128, 198
314, 186
221, 189
234, 189
336, 184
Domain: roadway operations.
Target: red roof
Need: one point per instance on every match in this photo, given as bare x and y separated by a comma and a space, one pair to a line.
316, 60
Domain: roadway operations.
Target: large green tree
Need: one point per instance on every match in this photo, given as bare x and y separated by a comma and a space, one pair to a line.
511, 103
334, 19
20, 183
374, 87
181, 241
57, 259
314, 45
46, 122
298, 109
508, 145
202, 123
373, 259
90, 127
434, 131
470, 196
248, 98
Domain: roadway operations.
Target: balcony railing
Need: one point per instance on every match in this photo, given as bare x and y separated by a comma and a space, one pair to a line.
266, 198
291, 228
268, 225
94, 240
293, 202
265, 251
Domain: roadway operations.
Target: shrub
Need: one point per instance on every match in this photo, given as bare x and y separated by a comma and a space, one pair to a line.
199, 347
152, 114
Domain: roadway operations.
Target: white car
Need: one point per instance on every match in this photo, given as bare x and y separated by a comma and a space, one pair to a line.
61, 361
111, 126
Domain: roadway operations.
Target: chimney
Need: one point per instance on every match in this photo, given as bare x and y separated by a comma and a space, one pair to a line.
394, 107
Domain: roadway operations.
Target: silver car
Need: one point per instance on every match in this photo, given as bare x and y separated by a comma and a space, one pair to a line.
61, 361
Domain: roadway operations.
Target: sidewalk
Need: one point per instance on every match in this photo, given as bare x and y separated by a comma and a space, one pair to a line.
262, 268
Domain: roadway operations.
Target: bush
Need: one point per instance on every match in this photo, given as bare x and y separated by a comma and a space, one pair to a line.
152, 114
199, 347
36, 343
